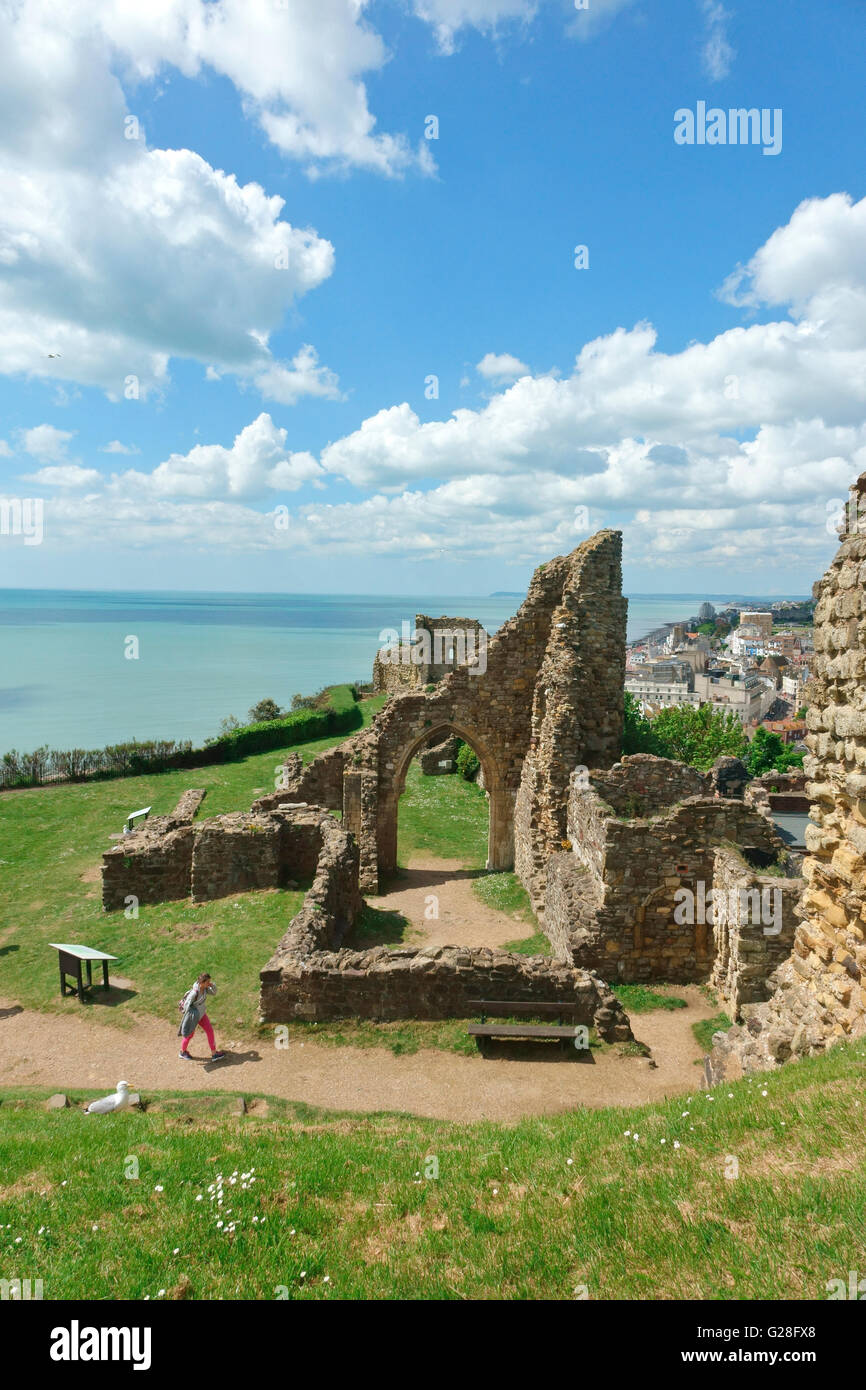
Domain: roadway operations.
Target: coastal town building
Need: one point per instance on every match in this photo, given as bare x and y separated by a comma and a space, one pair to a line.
747, 640
754, 617
661, 684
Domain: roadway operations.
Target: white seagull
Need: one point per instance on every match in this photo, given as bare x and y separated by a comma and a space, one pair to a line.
108, 1104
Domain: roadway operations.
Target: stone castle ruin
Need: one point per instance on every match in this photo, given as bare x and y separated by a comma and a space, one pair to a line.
415, 658
621, 856
551, 697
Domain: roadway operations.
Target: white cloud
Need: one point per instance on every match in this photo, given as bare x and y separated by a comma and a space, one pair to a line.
586, 23
302, 377
726, 452
257, 461
501, 367
448, 17
298, 67
5, 451
115, 447
65, 476
717, 53
117, 257
45, 442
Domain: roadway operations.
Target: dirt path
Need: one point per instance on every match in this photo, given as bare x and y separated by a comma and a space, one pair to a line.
463, 920
72, 1052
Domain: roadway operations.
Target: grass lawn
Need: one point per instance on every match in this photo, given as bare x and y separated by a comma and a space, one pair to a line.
444, 816
350, 1207
51, 843
705, 1029
640, 999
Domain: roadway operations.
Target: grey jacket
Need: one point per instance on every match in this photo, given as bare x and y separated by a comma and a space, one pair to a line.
194, 1008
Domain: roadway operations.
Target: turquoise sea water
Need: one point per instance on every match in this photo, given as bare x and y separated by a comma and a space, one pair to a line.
65, 682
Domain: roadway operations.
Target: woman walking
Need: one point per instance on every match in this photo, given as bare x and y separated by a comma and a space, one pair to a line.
194, 1006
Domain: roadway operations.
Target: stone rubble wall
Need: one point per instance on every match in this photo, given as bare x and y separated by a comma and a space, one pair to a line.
428, 983
395, 677
778, 791
748, 949
820, 996
186, 809
153, 863
216, 858
319, 783
577, 704
611, 896
441, 759
643, 785
237, 853
331, 906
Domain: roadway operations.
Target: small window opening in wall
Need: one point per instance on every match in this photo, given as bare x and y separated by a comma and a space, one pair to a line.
682, 868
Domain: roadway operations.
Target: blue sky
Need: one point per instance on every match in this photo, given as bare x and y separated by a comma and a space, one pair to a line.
701, 384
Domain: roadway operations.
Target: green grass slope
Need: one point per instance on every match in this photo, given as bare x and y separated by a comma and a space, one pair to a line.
752, 1191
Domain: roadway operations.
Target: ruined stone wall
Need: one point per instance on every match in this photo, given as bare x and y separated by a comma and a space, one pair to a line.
429, 658
820, 996
753, 931
153, 864
466, 636
237, 853
577, 704
441, 759
219, 857
778, 791
320, 783
187, 807
395, 677
431, 983
643, 785
612, 897
332, 904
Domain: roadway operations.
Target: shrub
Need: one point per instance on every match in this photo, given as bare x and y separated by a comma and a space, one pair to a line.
467, 762
263, 711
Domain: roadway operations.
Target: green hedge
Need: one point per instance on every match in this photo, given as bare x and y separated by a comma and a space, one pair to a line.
50, 765
300, 727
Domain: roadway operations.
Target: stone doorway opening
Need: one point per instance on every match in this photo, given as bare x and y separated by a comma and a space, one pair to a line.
499, 851
443, 813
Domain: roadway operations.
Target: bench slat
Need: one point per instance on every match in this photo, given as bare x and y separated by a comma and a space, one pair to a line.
522, 1030
506, 1007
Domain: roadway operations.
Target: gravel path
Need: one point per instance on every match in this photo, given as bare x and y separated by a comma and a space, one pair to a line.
71, 1051
463, 920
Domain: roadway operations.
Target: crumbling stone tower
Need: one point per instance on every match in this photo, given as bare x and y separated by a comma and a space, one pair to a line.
577, 704
821, 996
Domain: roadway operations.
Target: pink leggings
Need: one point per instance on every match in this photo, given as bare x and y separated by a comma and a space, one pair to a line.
205, 1023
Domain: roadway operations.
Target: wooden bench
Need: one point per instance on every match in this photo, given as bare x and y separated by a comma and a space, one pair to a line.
510, 1008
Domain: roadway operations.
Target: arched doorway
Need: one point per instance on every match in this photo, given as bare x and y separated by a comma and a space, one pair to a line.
500, 838
671, 931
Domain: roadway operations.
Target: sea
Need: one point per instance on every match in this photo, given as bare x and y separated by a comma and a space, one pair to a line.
66, 680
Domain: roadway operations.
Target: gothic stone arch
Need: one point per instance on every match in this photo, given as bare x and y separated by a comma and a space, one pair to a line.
500, 841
